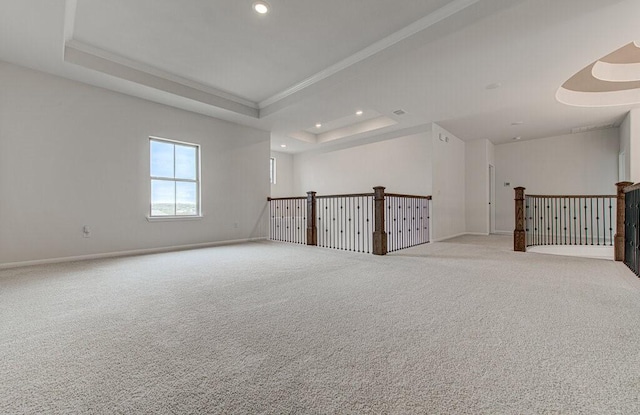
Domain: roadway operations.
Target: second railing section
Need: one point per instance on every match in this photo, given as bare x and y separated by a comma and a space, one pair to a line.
288, 220
368, 222
407, 221
346, 222
570, 220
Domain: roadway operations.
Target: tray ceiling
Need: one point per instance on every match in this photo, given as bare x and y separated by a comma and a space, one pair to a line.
225, 45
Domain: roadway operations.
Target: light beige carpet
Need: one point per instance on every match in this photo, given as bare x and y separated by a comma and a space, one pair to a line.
459, 327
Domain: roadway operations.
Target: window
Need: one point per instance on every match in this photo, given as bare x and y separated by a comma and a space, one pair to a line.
175, 178
272, 170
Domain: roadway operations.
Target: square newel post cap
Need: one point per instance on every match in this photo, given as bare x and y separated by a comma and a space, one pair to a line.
519, 192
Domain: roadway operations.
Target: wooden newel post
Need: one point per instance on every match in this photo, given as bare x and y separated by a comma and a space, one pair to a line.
312, 227
379, 235
619, 237
519, 235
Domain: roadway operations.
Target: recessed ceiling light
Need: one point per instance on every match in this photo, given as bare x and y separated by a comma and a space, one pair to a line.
318, 125
359, 113
517, 123
283, 145
261, 7
517, 138
494, 85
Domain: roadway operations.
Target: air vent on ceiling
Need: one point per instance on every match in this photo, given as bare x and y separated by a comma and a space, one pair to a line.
399, 112
591, 128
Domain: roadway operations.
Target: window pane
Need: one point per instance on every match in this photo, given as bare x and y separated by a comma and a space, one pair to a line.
186, 165
186, 198
161, 159
163, 198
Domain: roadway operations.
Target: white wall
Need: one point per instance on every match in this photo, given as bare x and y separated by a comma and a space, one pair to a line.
449, 211
478, 157
625, 147
402, 165
585, 163
74, 155
630, 144
283, 186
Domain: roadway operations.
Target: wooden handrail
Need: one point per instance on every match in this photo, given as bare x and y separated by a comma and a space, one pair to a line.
345, 195
352, 195
286, 198
574, 196
410, 196
631, 188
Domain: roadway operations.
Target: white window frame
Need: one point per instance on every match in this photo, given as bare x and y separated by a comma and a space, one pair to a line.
197, 181
272, 170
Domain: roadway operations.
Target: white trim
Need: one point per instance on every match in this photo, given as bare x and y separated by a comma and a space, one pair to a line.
416, 27
172, 218
503, 232
477, 233
133, 252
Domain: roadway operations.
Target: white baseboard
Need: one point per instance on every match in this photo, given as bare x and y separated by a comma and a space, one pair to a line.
503, 233
133, 252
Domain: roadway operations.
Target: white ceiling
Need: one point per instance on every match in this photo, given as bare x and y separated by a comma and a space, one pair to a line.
318, 62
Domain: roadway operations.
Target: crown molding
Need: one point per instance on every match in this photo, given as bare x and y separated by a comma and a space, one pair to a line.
416, 27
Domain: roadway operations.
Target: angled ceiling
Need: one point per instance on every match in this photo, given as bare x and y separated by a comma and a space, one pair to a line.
319, 62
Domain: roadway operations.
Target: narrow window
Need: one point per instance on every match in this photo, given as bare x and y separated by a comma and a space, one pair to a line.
272, 170
175, 178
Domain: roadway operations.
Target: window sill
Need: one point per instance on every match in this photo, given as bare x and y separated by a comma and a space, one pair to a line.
172, 218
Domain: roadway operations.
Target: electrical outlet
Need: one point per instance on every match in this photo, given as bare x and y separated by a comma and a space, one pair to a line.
507, 184
86, 231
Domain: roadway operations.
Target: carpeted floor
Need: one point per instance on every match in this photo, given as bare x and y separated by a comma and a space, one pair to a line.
458, 327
